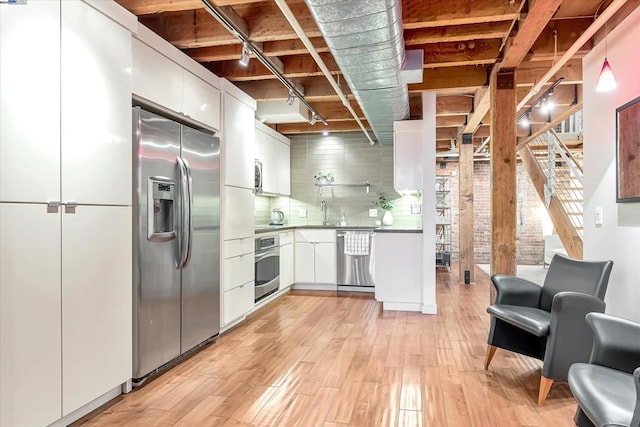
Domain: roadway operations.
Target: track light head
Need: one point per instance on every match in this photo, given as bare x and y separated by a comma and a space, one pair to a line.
244, 57
291, 98
314, 118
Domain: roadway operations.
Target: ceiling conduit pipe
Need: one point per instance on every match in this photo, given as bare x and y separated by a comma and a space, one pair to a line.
288, 14
582, 40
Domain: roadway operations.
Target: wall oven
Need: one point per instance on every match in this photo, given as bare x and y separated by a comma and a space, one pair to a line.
267, 266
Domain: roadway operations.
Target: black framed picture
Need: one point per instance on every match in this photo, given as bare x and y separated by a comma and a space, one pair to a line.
628, 152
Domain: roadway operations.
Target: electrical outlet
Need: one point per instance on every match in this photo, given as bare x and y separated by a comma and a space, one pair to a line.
373, 213
302, 213
416, 208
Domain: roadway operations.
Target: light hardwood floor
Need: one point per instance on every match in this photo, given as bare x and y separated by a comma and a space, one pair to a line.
321, 360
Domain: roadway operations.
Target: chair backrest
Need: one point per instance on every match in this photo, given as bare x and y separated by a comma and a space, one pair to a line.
567, 274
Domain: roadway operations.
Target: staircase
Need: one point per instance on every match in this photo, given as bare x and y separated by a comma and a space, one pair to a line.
556, 171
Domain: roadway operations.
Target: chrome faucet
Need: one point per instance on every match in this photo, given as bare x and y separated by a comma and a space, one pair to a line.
323, 208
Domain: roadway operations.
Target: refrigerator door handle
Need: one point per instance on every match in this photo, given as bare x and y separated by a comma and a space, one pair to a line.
185, 214
189, 229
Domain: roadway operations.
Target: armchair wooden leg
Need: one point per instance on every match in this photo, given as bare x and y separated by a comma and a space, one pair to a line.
545, 386
491, 350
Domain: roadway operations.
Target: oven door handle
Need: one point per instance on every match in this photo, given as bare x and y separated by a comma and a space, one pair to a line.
262, 255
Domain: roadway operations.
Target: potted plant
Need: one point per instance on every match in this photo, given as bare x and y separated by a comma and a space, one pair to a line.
386, 204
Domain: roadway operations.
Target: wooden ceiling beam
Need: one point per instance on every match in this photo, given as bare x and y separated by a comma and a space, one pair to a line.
540, 12
446, 133
450, 121
481, 105
456, 33
335, 111
453, 54
484, 131
147, 7
563, 95
315, 89
451, 77
566, 33
453, 105
340, 126
529, 73
293, 66
438, 13
197, 28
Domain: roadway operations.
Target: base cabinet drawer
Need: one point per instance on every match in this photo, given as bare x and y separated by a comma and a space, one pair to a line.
237, 302
237, 271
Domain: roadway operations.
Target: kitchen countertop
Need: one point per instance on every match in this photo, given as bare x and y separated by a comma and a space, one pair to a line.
378, 229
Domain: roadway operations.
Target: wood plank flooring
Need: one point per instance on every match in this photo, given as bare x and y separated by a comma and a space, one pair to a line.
314, 359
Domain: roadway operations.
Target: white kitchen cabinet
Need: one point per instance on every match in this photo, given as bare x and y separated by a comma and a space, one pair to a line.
286, 265
399, 255
160, 80
30, 331
95, 107
237, 302
408, 137
275, 154
30, 102
238, 213
315, 257
96, 302
157, 78
201, 100
238, 270
283, 154
238, 143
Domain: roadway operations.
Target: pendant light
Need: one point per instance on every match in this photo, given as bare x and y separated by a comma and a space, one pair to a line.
606, 81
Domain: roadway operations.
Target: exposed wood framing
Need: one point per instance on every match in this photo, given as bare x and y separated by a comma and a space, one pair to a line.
465, 166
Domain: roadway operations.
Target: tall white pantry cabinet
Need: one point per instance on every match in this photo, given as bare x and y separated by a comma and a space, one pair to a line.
65, 209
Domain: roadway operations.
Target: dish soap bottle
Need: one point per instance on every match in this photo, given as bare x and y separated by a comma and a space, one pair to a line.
343, 221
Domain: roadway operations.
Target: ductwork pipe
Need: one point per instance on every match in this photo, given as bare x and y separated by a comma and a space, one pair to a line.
365, 38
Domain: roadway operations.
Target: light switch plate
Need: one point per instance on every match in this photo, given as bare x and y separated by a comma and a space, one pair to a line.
373, 213
416, 208
599, 215
302, 213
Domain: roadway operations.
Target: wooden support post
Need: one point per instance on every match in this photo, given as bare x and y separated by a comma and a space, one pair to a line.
503, 172
465, 165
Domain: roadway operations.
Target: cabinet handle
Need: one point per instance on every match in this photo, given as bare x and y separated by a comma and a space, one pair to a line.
52, 206
70, 206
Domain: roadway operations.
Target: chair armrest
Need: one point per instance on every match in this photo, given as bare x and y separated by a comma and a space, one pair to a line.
616, 342
569, 339
635, 420
515, 291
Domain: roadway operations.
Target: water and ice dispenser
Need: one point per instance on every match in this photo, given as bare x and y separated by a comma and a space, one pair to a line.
161, 204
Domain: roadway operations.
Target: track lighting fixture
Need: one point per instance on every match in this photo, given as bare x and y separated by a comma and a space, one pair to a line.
244, 57
543, 102
525, 120
313, 120
291, 98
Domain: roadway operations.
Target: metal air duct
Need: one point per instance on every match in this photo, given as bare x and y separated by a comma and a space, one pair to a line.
365, 38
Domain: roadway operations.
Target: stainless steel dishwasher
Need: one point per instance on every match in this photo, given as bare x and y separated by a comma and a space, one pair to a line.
355, 259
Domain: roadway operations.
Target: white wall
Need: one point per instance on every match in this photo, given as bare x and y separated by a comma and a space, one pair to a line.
428, 202
618, 238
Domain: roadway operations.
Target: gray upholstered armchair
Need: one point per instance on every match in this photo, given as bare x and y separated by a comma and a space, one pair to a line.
608, 387
548, 322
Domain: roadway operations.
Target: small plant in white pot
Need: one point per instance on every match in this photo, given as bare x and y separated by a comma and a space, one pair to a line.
386, 204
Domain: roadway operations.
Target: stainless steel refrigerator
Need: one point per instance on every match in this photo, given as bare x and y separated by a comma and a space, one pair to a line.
176, 240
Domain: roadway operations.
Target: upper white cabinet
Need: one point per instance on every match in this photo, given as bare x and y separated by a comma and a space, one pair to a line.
239, 143
201, 100
95, 107
238, 213
274, 151
159, 79
156, 77
30, 102
407, 155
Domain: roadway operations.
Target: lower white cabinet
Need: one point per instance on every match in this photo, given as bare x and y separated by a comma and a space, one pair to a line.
238, 275
65, 309
237, 302
286, 259
30, 329
96, 303
315, 256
